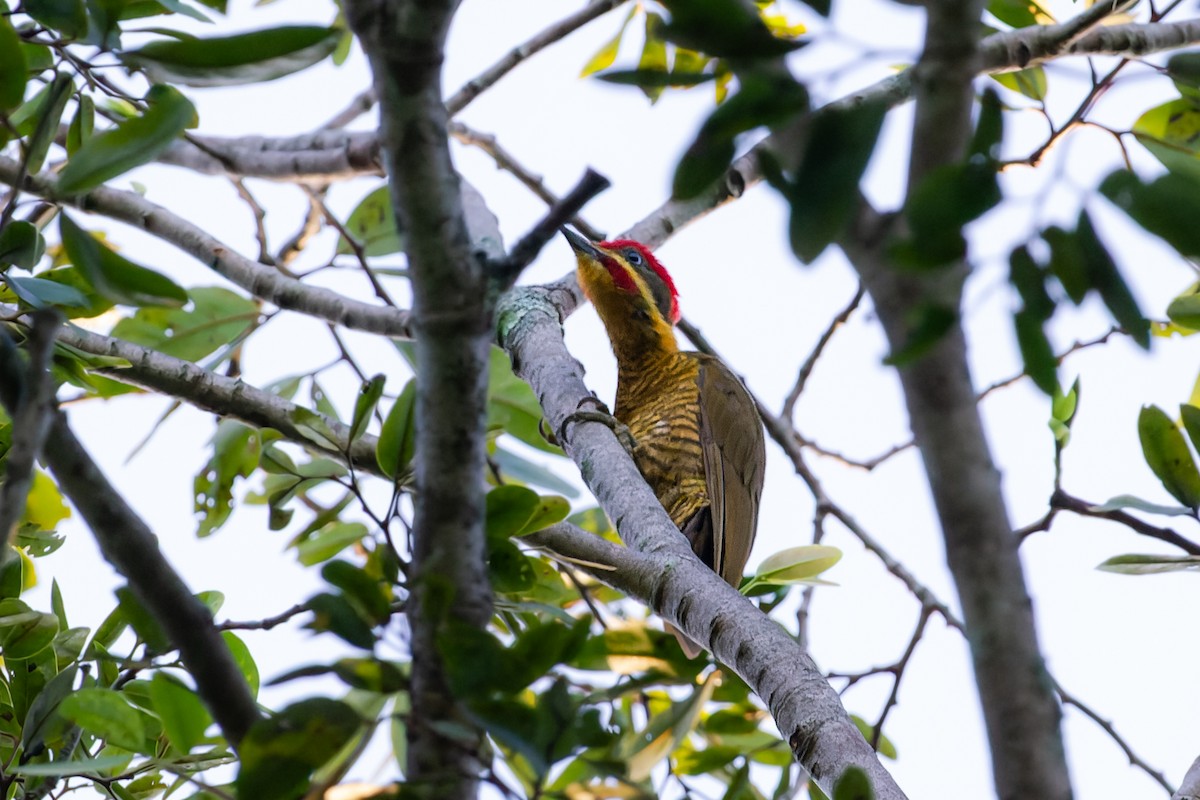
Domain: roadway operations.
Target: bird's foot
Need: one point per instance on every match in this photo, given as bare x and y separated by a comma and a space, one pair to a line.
599, 413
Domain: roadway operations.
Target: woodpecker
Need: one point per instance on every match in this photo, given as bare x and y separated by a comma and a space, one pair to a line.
697, 437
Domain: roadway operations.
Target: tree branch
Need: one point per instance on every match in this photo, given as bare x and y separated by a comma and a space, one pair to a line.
258, 279
32, 414
453, 307
677, 585
133, 551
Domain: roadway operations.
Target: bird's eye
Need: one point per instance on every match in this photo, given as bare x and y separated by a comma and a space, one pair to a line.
634, 257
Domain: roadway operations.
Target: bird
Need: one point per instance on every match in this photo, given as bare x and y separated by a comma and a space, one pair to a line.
696, 434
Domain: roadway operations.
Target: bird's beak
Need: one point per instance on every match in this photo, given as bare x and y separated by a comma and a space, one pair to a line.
581, 245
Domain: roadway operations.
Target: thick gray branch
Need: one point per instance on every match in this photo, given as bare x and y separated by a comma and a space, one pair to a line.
133, 550
453, 304
258, 279
678, 586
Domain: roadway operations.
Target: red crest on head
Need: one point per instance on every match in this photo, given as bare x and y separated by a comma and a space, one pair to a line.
659, 270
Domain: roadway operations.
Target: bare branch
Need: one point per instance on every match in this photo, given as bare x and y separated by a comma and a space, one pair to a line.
258, 279
1060, 500
476, 86
789, 404
527, 249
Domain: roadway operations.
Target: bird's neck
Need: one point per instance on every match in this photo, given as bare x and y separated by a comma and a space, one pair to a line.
638, 342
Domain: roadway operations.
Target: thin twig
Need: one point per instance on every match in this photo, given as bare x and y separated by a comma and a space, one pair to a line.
559, 30
268, 623
525, 250
1107, 727
507, 162
1066, 502
789, 404
363, 102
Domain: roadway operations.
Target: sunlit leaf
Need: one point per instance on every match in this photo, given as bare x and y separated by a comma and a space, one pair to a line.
372, 223
1168, 456
607, 54
1149, 564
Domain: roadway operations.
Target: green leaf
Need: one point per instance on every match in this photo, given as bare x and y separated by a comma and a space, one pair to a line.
1106, 279
1123, 501
364, 405
516, 467
372, 223
236, 449
244, 660
1185, 309
1018, 14
24, 633
144, 623
105, 713
885, 748
280, 753
725, 28
183, 715
363, 589
330, 540
1170, 132
929, 324
654, 55
13, 70
217, 318
335, 614
761, 101
100, 765
509, 509
68, 17
1067, 262
22, 244
83, 124
853, 784
253, 57
48, 107
42, 293
607, 54
1190, 415
398, 438
656, 78
131, 143
1167, 454
43, 722
112, 274
1149, 564
796, 565
824, 194
1041, 365
1168, 207
1029, 82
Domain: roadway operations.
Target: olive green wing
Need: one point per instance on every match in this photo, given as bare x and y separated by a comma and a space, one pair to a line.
731, 439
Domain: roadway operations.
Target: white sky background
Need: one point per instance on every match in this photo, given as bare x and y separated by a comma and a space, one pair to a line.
1122, 644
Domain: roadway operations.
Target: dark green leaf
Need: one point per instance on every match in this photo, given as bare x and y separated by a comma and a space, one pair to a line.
131, 143
21, 243
824, 194
1190, 415
371, 675
335, 614
44, 124
183, 715
82, 124
655, 78
1106, 279
13, 70
397, 439
1185, 309
42, 293
361, 588
517, 468
929, 324
1168, 207
1029, 279
945, 200
236, 448
43, 721
1167, 454
364, 406
24, 633
1018, 14
232, 60
1067, 262
761, 101
144, 624
1169, 132
280, 753
1184, 69
853, 784
989, 129
105, 713
113, 275
372, 223
724, 28
509, 509
67, 17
